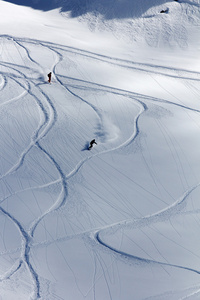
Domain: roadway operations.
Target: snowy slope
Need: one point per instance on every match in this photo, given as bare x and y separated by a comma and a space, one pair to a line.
121, 221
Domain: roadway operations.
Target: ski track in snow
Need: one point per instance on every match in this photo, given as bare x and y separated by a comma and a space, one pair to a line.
48, 119
3, 82
161, 215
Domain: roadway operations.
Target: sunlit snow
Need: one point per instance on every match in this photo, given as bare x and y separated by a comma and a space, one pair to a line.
121, 221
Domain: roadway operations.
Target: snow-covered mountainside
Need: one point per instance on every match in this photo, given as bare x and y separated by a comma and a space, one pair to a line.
121, 221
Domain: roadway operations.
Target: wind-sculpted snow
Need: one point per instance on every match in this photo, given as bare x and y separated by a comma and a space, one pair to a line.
115, 222
111, 8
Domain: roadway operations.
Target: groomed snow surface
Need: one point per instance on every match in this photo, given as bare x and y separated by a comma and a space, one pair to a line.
121, 221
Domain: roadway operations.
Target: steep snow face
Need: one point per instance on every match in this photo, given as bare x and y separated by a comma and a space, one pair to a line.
121, 221
138, 23
109, 8
145, 24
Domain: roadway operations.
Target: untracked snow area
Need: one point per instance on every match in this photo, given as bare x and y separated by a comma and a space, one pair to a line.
121, 221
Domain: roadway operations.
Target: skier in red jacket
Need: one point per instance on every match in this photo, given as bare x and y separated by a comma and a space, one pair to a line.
49, 76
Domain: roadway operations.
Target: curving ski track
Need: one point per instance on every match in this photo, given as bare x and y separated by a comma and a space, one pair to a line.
47, 110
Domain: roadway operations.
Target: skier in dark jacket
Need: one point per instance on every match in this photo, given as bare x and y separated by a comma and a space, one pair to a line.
49, 76
92, 143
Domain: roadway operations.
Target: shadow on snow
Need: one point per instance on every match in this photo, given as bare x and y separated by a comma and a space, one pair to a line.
108, 8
